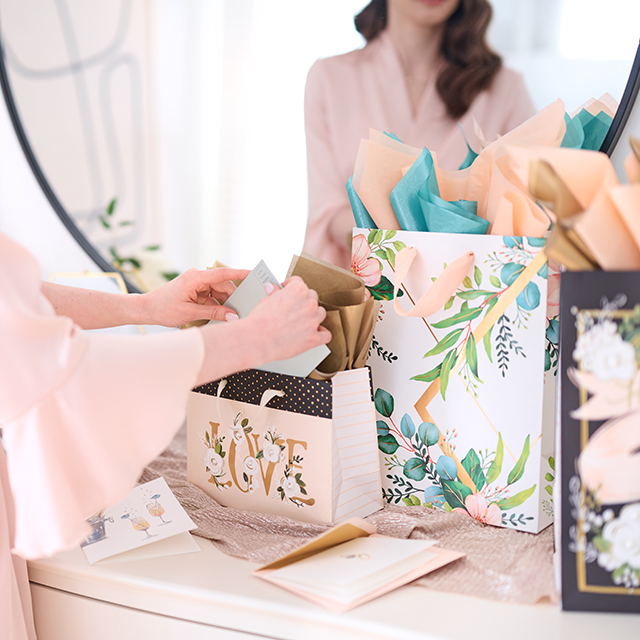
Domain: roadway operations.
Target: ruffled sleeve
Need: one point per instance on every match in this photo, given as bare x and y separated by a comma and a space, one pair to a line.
82, 413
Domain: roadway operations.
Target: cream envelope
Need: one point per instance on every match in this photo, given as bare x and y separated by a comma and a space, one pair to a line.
326, 564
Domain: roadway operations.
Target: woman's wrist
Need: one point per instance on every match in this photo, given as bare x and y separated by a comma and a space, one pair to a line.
230, 347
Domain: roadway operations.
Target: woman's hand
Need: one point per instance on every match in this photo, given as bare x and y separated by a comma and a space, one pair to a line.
282, 325
288, 320
194, 295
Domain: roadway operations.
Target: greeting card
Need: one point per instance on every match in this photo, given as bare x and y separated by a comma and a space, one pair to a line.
247, 296
148, 523
350, 565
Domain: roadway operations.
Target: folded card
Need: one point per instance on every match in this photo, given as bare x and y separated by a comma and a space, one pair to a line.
350, 565
148, 523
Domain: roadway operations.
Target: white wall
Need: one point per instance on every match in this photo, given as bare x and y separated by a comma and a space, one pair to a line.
25, 213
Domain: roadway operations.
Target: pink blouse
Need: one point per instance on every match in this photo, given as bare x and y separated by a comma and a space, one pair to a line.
82, 414
347, 95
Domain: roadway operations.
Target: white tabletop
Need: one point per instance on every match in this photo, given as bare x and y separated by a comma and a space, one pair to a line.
213, 589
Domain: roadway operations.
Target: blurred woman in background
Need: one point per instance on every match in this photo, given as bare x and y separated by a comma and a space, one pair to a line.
425, 68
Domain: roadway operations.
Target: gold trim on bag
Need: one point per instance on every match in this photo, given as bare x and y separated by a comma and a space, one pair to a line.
487, 322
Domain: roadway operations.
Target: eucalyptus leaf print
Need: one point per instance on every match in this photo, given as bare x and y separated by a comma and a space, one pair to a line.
477, 296
422, 446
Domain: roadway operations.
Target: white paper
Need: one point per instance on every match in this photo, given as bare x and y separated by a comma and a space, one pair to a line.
149, 522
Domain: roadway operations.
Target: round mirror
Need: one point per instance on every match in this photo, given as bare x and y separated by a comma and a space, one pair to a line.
168, 135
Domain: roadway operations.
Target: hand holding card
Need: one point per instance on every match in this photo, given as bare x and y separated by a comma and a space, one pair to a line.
250, 292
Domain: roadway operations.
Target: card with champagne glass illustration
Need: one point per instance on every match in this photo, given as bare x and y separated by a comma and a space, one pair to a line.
148, 523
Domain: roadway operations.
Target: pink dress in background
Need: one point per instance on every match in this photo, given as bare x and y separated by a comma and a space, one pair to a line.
82, 415
347, 95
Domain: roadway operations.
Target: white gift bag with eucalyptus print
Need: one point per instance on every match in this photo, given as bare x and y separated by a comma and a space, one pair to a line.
463, 360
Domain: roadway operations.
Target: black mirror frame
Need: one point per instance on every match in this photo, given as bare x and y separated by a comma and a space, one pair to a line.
625, 108
48, 191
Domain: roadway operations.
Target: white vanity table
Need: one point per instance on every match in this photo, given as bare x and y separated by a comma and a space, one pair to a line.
211, 595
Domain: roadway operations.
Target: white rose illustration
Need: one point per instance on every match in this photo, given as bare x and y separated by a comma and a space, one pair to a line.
237, 433
214, 461
290, 487
250, 465
271, 452
603, 352
623, 533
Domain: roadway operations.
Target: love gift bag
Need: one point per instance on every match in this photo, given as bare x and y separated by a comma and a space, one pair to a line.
291, 446
463, 361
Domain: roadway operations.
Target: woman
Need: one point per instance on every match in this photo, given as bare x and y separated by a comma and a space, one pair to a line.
83, 414
425, 68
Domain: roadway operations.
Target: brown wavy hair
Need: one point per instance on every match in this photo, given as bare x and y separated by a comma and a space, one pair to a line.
470, 65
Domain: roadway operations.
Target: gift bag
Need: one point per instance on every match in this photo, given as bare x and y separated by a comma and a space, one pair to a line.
600, 442
285, 445
463, 361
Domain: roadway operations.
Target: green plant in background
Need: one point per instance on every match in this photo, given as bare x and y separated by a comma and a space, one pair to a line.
129, 265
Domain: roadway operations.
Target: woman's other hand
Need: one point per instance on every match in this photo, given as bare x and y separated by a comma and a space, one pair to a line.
194, 295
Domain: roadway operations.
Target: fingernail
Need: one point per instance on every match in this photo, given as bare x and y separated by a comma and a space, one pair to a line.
269, 288
230, 317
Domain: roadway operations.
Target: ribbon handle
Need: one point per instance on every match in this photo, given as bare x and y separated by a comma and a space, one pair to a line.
439, 292
267, 396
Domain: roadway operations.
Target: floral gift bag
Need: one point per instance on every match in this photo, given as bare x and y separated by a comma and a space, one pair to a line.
463, 361
600, 441
290, 446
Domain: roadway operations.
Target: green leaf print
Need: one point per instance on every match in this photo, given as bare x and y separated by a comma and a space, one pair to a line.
471, 463
474, 293
455, 492
518, 470
447, 365
415, 469
448, 341
384, 290
388, 444
496, 465
430, 376
462, 316
472, 355
384, 402
518, 499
